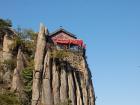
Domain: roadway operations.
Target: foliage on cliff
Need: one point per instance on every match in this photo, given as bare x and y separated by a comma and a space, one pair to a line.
27, 44
27, 74
8, 98
25, 40
5, 23
57, 75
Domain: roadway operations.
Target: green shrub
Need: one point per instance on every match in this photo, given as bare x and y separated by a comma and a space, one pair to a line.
5, 23
9, 98
27, 78
10, 64
27, 74
59, 54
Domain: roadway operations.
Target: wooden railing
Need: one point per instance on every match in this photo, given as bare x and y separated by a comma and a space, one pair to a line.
65, 48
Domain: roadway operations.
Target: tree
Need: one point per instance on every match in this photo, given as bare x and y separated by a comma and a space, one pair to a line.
5, 23
25, 39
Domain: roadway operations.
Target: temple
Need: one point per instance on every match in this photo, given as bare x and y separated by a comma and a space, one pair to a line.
63, 39
65, 45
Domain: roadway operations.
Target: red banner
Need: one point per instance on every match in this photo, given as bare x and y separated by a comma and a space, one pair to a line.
69, 41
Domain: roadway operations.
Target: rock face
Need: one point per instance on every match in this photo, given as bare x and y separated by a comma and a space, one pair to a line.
1, 71
0, 55
7, 43
60, 75
39, 60
6, 56
17, 83
56, 80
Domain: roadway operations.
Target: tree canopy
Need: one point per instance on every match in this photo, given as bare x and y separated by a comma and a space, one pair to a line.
5, 23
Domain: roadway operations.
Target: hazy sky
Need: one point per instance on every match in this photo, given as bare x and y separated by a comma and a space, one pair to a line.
111, 30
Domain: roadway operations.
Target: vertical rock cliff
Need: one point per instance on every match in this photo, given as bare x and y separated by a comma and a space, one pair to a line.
39, 60
6, 56
17, 82
60, 76
12, 64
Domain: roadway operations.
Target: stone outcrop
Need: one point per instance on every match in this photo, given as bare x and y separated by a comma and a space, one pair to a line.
17, 84
63, 84
7, 43
56, 83
17, 81
7, 56
47, 98
57, 80
1, 55
58, 77
39, 60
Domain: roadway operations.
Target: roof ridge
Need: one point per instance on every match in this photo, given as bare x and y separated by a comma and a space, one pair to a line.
64, 30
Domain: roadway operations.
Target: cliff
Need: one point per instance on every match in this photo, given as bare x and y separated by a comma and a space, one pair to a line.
58, 76
6, 56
